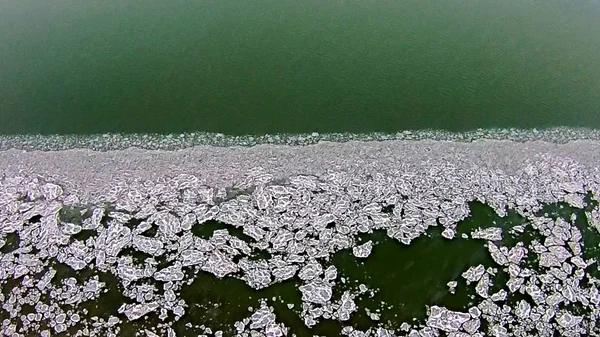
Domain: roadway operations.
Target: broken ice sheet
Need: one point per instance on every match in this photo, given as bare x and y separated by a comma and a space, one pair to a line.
297, 226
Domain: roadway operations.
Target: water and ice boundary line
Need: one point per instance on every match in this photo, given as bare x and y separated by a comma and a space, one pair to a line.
116, 141
91, 165
429, 180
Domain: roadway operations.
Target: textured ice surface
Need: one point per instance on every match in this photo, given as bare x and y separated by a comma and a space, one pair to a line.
364, 250
99, 211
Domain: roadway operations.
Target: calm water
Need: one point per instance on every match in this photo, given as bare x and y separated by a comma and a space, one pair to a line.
297, 66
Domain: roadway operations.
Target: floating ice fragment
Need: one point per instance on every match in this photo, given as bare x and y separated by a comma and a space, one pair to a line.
489, 234
169, 274
364, 250
448, 233
135, 311
446, 320
316, 292
567, 320
311, 270
262, 317
452, 286
483, 286
346, 306
474, 274
284, 273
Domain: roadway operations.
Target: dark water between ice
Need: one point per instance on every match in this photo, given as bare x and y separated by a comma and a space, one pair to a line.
255, 67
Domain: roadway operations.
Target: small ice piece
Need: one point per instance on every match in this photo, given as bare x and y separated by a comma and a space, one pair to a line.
285, 272
448, 233
112, 320
489, 234
147, 245
561, 253
515, 284
262, 317
554, 299
514, 270
171, 273
363, 251
579, 262
452, 286
516, 254
548, 260
474, 274
497, 254
567, 320
60, 327
518, 229
135, 311
219, 264
347, 306
316, 292
536, 293
311, 270
330, 273
190, 257
472, 325
273, 329
168, 223
446, 320
474, 312
258, 278
51, 191
188, 221
150, 333
498, 331
70, 228
404, 327
60, 318
381, 332
483, 286
501, 295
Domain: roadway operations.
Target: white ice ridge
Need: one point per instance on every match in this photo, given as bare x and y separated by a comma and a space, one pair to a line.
301, 204
171, 142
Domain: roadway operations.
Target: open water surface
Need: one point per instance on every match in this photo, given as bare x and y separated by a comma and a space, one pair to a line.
284, 66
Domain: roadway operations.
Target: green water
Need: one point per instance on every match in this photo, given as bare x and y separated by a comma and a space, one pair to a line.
272, 66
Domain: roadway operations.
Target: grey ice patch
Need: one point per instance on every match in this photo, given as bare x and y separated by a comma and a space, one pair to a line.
311, 270
446, 320
346, 306
474, 274
317, 292
489, 234
363, 251
135, 311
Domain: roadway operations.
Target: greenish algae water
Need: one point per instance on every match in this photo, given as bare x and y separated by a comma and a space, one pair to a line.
266, 66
